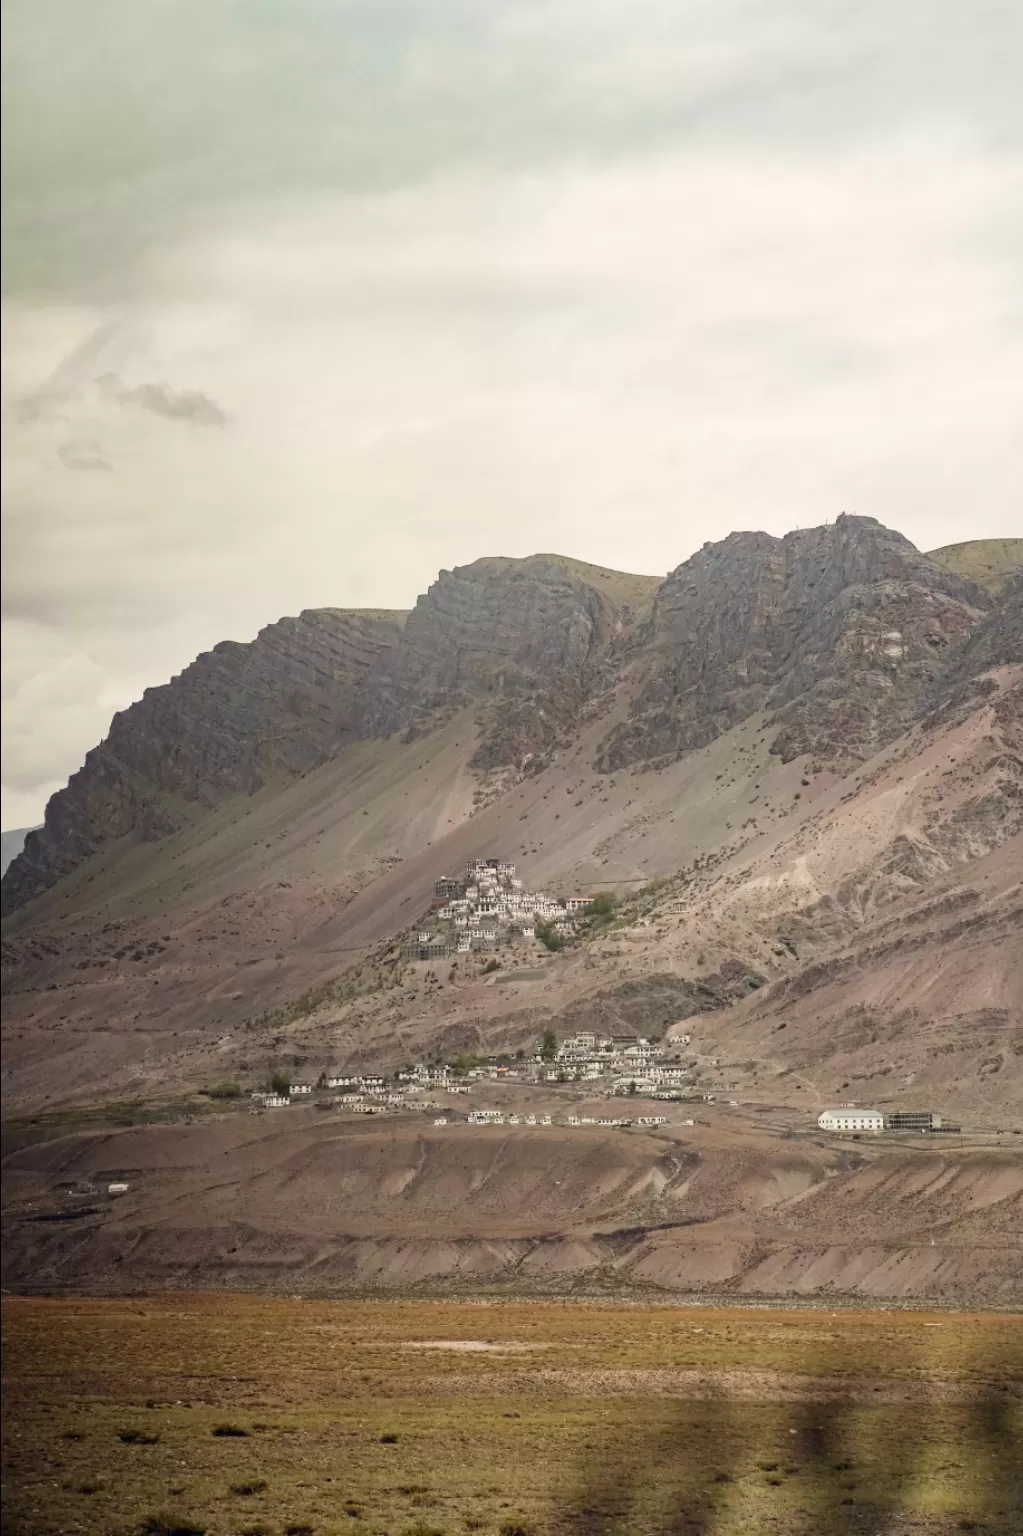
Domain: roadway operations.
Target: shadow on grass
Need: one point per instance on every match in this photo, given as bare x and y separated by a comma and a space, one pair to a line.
841, 1464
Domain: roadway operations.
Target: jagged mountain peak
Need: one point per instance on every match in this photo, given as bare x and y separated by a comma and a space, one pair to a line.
835, 631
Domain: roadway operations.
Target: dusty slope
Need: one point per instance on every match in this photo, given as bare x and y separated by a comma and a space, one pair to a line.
308, 1201
801, 882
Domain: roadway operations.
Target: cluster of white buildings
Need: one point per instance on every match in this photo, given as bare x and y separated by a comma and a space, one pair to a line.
501, 1117
638, 1064
366, 1094
488, 903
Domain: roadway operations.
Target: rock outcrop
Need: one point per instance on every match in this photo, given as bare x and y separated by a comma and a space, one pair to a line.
840, 635
532, 633
233, 719
836, 632
996, 642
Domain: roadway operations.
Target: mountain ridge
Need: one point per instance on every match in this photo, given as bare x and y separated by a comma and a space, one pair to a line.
538, 646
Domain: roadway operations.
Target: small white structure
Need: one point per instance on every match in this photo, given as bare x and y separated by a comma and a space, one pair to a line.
297, 1088
440, 1120
851, 1120
117, 1189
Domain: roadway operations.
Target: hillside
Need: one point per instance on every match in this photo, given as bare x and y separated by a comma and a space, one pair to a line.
798, 763
988, 562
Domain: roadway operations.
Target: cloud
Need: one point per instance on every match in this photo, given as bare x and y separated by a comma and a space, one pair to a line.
121, 121
482, 280
184, 405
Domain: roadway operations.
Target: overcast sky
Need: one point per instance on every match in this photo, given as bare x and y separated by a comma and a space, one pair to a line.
307, 299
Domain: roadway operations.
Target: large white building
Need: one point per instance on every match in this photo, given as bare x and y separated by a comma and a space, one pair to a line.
851, 1120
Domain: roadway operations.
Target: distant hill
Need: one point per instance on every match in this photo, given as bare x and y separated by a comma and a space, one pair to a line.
988, 562
11, 844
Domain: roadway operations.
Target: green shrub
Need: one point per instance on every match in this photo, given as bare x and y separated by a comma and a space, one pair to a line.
549, 937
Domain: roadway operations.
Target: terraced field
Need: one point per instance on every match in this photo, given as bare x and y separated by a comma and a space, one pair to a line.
233, 1415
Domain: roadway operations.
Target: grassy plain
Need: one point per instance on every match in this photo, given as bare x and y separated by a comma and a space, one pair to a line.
235, 1415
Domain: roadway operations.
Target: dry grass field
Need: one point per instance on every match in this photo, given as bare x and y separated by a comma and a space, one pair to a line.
233, 1415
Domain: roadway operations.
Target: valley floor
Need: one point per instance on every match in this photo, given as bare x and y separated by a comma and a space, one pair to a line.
230, 1415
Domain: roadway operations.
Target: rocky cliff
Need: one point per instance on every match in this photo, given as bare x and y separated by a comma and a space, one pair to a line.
533, 633
836, 632
841, 635
237, 716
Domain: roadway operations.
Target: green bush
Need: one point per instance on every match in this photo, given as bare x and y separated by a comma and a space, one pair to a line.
224, 1091
549, 937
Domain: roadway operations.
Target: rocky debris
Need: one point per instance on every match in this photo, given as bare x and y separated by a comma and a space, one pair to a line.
236, 717
648, 1005
836, 631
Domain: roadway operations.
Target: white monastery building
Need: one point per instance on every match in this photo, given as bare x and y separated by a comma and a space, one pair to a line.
851, 1120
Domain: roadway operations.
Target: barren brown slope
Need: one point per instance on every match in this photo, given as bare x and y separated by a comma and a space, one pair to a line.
816, 887
318, 1204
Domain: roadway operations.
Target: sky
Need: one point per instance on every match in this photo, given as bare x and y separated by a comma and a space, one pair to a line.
306, 300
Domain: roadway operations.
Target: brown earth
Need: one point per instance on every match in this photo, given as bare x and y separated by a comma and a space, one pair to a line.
828, 927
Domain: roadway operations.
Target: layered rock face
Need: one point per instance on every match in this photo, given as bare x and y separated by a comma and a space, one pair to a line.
237, 716
529, 632
837, 632
531, 635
